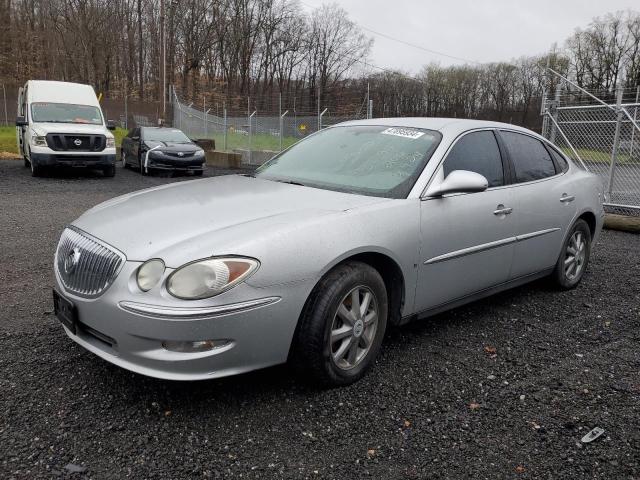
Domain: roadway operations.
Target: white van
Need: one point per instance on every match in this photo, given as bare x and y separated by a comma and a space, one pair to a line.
61, 123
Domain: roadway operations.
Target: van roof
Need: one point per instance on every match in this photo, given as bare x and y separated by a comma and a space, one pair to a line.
61, 92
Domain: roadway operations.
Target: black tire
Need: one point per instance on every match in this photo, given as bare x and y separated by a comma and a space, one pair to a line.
141, 165
312, 351
198, 173
36, 170
123, 158
26, 162
109, 171
562, 277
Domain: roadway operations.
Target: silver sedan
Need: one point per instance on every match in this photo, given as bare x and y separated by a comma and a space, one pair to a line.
309, 260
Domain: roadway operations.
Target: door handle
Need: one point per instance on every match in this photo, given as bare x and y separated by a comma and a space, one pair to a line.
502, 210
567, 198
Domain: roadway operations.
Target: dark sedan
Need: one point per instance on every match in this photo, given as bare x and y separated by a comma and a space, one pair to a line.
157, 148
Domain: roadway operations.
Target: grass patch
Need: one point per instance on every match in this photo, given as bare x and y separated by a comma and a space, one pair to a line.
600, 156
237, 141
8, 139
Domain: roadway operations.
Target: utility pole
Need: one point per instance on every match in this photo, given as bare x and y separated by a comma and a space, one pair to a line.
163, 41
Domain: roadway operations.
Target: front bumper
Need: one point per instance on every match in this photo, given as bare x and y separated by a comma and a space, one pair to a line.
62, 159
160, 161
127, 327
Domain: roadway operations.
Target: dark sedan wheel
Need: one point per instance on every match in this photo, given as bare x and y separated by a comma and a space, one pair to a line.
342, 325
141, 163
123, 158
574, 257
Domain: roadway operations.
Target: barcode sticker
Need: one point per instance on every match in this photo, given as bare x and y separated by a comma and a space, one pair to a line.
403, 132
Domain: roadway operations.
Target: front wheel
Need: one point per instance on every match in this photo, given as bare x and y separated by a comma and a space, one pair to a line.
342, 325
574, 257
123, 158
109, 171
36, 170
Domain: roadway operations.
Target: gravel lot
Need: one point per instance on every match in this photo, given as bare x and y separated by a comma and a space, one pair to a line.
441, 402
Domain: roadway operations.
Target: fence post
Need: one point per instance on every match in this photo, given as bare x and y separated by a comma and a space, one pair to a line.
554, 113
224, 112
320, 119
250, 135
6, 116
635, 116
616, 141
282, 126
370, 112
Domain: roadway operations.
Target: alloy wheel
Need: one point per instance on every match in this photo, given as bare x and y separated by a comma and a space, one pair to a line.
354, 328
575, 256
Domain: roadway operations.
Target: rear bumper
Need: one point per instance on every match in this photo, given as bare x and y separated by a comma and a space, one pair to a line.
76, 160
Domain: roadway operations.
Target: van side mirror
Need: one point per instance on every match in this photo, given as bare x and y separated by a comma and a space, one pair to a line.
21, 122
111, 125
459, 181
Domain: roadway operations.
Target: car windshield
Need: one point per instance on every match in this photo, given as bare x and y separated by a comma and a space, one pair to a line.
165, 135
369, 160
65, 113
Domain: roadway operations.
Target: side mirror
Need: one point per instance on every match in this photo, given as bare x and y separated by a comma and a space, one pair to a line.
111, 125
135, 139
21, 122
459, 181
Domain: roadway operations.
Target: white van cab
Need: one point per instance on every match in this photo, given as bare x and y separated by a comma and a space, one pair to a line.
61, 123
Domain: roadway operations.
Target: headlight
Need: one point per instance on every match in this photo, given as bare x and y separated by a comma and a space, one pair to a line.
206, 278
199, 153
38, 141
111, 142
149, 274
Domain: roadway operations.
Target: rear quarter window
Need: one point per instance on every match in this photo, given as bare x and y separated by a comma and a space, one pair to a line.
530, 158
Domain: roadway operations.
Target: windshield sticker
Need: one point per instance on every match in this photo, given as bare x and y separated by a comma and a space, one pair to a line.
403, 132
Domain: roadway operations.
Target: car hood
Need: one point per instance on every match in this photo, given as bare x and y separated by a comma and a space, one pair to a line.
188, 220
79, 128
172, 146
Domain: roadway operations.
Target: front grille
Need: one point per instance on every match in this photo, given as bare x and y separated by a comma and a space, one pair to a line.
60, 142
175, 154
86, 266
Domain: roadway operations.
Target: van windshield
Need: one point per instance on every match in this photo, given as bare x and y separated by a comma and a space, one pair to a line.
65, 113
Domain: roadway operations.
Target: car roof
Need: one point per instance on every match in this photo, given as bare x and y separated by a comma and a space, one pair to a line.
450, 126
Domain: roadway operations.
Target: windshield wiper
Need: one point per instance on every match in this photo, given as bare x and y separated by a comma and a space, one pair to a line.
290, 182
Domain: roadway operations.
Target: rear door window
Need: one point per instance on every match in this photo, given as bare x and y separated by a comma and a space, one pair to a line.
530, 158
561, 162
477, 152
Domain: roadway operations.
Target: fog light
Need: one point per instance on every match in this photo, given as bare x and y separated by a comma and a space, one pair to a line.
195, 346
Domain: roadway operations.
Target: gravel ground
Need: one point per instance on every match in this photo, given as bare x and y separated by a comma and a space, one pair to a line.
502, 388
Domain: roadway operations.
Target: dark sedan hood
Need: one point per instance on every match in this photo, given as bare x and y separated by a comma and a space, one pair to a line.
173, 146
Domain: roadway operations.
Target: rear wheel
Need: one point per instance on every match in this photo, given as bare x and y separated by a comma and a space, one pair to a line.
342, 325
574, 258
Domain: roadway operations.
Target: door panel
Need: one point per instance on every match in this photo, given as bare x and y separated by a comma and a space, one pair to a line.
544, 214
465, 246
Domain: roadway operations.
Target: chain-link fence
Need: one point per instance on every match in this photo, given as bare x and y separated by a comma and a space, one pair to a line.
602, 137
255, 135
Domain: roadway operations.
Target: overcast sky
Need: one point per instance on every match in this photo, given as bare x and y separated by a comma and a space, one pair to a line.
479, 30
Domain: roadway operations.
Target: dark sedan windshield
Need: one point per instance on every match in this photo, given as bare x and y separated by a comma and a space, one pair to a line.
370, 160
165, 135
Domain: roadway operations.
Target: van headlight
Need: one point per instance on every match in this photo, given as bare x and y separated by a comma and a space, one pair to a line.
111, 142
38, 141
199, 154
209, 277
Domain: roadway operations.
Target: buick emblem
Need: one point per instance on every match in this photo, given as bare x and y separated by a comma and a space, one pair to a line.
181, 154
77, 142
71, 262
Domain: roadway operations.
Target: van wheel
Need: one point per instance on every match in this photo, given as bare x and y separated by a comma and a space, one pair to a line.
109, 171
26, 162
342, 325
36, 170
